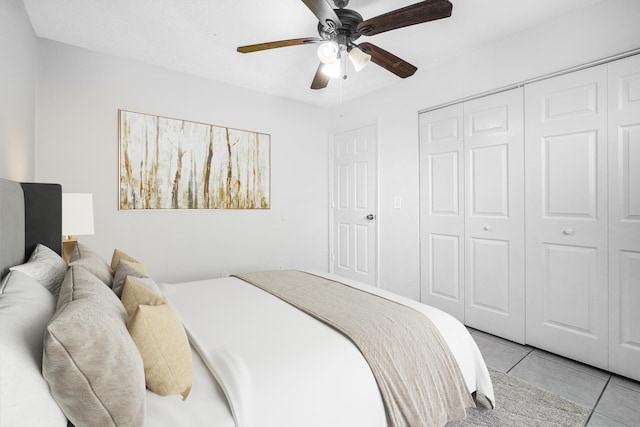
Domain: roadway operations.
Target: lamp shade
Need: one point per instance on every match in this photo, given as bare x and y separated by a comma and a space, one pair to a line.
328, 52
77, 214
358, 58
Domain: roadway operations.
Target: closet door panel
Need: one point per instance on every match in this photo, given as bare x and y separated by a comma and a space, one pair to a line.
568, 284
570, 192
441, 210
624, 216
489, 266
566, 228
494, 214
489, 180
444, 267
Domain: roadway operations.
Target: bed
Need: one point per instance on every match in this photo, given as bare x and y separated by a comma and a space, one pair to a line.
222, 352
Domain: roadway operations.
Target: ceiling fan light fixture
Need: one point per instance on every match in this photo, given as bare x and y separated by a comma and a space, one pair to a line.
358, 58
339, 28
328, 52
332, 70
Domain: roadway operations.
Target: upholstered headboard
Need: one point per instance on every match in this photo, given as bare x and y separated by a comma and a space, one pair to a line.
30, 213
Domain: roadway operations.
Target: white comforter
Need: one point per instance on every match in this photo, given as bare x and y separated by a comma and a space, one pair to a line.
279, 367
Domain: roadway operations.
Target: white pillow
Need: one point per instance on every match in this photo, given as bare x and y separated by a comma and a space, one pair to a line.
46, 266
25, 310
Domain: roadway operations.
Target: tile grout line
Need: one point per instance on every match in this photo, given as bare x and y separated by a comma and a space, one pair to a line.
593, 410
623, 385
576, 369
518, 362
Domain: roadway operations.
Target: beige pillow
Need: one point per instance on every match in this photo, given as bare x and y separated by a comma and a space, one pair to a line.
118, 255
92, 365
149, 283
161, 339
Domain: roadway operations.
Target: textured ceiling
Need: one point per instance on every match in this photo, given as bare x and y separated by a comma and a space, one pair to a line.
200, 37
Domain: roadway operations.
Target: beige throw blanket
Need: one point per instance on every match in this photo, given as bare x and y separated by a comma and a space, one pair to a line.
418, 377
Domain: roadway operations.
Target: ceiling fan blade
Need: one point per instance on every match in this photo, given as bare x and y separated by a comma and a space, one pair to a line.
425, 11
320, 80
324, 12
277, 44
389, 61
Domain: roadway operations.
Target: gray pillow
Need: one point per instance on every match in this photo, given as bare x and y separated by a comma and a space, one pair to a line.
92, 365
84, 257
127, 268
25, 309
46, 266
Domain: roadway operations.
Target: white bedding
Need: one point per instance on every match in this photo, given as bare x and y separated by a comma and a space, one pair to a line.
279, 367
205, 406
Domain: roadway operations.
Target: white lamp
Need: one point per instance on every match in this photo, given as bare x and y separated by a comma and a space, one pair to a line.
77, 219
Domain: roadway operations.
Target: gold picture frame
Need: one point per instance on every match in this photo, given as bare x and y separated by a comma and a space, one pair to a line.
167, 163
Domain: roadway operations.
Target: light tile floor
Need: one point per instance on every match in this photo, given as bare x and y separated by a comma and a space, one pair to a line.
614, 400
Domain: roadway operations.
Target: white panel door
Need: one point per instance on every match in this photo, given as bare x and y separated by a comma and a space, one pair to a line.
355, 204
494, 206
624, 216
442, 210
566, 219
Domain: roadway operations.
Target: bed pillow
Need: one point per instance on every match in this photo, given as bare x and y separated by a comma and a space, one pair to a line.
84, 257
25, 309
125, 269
161, 339
149, 283
91, 363
46, 266
117, 256
4, 282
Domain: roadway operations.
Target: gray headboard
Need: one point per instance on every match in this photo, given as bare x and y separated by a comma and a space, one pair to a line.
30, 213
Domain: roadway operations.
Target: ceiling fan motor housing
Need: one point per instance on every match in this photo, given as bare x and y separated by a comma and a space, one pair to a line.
345, 32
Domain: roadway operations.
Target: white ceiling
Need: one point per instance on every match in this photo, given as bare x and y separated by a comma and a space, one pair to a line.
200, 37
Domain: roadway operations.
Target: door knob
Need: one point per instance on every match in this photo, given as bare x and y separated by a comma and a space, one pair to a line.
370, 217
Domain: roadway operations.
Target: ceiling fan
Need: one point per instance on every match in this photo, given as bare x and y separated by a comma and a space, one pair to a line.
339, 28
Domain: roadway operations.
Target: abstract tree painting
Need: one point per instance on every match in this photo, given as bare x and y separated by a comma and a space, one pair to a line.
178, 164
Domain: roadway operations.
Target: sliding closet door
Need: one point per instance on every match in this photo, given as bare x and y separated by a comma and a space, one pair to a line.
624, 216
442, 210
494, 206
566, 225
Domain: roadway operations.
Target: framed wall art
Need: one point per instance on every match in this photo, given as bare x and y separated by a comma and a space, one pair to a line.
170, 163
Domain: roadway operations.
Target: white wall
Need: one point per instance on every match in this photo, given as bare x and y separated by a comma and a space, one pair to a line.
18, 59
607, 28
76, 144
78, 97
